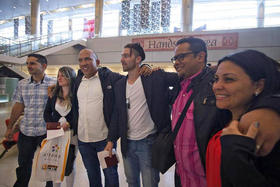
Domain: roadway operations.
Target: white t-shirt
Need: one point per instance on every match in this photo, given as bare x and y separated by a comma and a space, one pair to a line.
140, 123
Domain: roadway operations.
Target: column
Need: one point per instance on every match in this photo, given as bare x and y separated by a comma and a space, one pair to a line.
35, 17
27, 25
144, 13
16, 24
260, 16
187, 15
41, 24
70, 31
98, 17
50, 31
165, 15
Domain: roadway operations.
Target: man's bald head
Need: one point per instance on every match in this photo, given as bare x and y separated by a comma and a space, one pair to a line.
91, 53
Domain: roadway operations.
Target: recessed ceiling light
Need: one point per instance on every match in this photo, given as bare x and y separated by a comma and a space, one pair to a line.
3, 21
14, 7
86, 5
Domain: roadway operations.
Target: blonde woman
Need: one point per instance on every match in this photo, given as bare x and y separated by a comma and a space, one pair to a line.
59, 109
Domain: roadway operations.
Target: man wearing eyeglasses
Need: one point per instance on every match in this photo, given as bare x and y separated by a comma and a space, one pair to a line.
201, 120
190, 64
141, 110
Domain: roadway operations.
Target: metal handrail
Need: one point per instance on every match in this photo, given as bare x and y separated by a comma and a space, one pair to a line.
26, 45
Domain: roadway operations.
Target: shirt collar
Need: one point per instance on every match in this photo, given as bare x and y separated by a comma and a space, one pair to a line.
91, 78
186, 81
31, 80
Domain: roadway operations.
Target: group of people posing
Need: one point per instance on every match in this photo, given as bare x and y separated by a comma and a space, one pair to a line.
229, 136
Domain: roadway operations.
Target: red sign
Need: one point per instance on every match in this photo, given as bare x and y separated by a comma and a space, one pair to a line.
88, 28
167, 43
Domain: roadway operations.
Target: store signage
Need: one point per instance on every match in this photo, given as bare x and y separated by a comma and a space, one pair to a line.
167, 43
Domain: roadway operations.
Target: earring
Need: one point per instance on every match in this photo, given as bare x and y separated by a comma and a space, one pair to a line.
256, 94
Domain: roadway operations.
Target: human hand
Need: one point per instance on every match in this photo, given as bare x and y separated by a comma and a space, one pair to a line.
9, 134
145, 70
269, 130
65, 126
109, 148
156, 69
50, 90
232, 129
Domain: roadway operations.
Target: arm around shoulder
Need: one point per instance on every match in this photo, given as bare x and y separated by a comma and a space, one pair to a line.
269, 130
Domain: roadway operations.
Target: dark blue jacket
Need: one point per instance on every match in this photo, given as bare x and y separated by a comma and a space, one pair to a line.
159, 89
107, 79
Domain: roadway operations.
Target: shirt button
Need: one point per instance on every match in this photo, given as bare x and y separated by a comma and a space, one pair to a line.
184, 95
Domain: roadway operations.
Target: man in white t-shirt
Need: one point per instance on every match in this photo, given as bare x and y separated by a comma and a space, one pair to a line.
141, 110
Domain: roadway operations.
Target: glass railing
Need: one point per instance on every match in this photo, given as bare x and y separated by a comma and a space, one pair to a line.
30, 44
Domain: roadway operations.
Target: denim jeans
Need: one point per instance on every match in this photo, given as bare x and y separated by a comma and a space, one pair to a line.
88, 152
139, 160
27, 146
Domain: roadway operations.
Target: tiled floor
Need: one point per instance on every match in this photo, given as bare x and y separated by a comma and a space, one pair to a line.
8, 165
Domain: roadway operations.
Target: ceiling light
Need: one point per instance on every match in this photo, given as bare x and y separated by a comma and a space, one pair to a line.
112, 2
14, 7
61, 10
3, 21
86, 5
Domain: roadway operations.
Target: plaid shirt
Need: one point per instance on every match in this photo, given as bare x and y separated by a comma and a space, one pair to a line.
34, 96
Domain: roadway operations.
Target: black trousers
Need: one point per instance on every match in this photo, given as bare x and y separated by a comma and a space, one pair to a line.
27, 146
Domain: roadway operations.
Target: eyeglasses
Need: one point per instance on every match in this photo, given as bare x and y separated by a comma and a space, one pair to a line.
180, 57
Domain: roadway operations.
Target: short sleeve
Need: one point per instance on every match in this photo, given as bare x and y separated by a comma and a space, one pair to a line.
17, 96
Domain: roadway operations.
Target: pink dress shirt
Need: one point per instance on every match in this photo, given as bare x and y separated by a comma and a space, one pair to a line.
188, 163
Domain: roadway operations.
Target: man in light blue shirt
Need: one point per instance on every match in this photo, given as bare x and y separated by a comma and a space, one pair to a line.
30, 98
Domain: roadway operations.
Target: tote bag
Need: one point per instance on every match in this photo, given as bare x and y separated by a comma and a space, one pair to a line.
52, 158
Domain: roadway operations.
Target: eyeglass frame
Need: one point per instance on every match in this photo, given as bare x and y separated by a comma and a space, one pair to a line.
180, 57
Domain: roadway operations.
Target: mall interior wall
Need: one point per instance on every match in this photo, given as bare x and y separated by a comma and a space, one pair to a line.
266, 40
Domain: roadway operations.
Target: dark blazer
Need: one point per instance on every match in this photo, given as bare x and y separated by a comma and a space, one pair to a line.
239, 164
51, 115
241, 167
107, 79
159, 89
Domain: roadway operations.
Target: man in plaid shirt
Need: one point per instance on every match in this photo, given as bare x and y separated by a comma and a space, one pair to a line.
30, 97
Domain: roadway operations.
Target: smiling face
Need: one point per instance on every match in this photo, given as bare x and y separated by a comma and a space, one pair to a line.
187, 63
233, 88
88, 63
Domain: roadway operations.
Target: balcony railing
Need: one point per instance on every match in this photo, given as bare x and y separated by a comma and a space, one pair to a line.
30, 44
